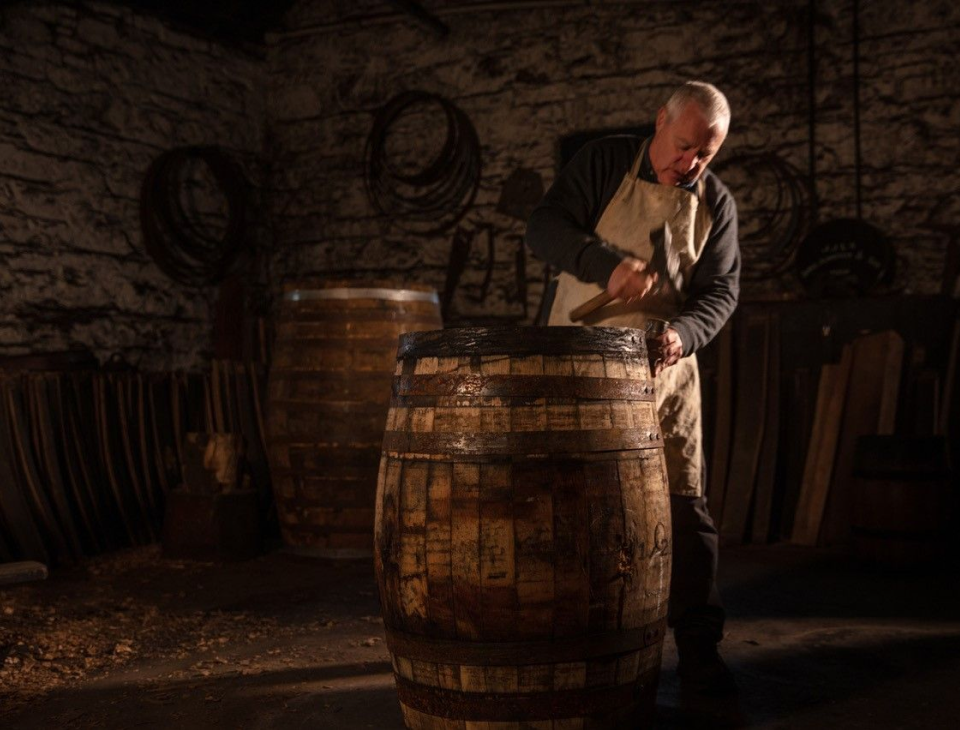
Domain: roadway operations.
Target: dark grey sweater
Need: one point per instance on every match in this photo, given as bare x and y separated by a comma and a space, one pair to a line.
561, 232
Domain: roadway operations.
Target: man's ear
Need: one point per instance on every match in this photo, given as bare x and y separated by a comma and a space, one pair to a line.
661, 118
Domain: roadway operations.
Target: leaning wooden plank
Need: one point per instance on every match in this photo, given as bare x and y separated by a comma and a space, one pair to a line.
722, 425
22, 572
155, 437
256, 378
948, 407
927, 400
15, 515
823, 448
108, 458
30, 480
197, 390
177, 416
797, 428
48, 460
753, 352
214, 420
231, 416
215, 399
874, 383
144, 447
256, 456
57, 391
890, 389
948, 403
83, 436
126, 443
140, 446
767, 467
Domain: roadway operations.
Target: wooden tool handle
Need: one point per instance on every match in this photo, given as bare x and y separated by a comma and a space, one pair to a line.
591, 305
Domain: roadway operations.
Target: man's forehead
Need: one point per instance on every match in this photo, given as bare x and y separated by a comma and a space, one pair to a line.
701, 134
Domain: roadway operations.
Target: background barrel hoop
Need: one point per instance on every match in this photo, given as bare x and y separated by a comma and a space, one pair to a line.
393, 295
521, 442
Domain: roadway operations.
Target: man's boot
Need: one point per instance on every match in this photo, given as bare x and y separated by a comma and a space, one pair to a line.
701, 669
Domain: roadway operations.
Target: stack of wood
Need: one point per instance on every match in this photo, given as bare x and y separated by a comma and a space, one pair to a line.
856, 397
88, 457
782, 463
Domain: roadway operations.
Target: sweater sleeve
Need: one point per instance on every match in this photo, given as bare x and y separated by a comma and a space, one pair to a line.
715, 284
561, 228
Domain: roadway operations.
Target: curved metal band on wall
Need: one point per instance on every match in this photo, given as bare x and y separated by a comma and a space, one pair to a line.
182, 249
435, 198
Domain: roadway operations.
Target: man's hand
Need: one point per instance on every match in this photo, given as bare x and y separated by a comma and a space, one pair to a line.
631, 280
666, 350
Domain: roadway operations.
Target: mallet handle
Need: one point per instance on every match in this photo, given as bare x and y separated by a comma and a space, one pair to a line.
591, 305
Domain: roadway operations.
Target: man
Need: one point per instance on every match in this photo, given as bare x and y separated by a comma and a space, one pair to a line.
599, 223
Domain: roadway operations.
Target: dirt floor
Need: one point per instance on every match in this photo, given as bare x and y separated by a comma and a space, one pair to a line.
131, 640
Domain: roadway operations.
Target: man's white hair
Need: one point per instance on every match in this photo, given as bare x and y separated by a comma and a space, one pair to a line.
708, 97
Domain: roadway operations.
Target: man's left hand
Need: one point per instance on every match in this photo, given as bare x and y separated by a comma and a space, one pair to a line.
668, 350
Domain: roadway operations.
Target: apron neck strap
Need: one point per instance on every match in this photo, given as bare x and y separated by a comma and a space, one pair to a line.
635, 169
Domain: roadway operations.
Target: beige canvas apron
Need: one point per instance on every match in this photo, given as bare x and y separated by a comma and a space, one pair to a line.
637, 208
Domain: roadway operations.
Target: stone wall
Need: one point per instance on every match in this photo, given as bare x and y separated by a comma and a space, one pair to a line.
528, 76
91, 95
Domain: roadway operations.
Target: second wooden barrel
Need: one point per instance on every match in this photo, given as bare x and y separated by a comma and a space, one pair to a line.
523, 529
901, 508
328, 395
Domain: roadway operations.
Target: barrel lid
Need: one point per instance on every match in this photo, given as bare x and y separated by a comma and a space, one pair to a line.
522, 341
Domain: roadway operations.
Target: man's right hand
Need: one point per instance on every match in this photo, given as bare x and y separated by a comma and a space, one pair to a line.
631, 280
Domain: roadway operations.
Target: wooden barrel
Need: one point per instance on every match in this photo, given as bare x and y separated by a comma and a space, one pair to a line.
522, 542
328, 395
901, 499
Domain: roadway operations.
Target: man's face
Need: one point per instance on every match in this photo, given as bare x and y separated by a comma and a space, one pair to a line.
682, 147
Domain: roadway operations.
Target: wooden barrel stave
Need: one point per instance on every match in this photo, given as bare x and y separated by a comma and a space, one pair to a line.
328, 395
513, 553
901, 506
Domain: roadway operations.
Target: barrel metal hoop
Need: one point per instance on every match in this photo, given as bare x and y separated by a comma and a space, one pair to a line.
394, 295
507, 386
521, 442
526, 706
567, 460
608, 644
513, 341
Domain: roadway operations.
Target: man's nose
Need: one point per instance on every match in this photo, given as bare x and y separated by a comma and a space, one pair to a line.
690, 161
